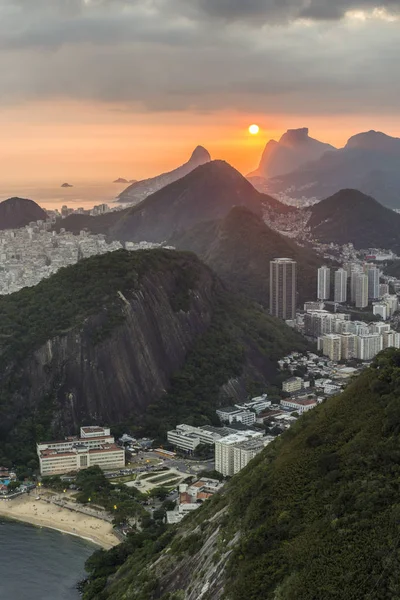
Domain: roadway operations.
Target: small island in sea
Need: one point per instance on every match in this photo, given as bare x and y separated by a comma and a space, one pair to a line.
66, 185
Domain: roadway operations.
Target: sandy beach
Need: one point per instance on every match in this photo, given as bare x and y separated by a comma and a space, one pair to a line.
43, 514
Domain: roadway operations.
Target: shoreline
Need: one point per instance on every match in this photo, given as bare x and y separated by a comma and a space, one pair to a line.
50, 516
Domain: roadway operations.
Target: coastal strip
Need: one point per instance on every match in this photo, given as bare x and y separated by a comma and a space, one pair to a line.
43, 514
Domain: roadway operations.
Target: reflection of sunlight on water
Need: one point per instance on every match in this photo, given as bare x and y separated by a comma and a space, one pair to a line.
84, 195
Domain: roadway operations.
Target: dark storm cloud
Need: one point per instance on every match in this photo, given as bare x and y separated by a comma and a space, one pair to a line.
201, 54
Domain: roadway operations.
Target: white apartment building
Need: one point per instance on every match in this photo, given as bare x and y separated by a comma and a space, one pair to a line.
361, 290
340, 286
324, 283
373, 281
244, 452
224, 451
368, 346
95, 447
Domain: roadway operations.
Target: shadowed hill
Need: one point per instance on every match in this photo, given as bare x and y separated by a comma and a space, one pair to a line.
239, 248
18, 212
350, 216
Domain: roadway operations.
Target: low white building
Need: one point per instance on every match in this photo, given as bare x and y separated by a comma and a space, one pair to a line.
232, 414
299, 406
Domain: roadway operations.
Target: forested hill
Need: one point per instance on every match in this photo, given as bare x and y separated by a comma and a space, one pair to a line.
315, 516
239, 249
104, 340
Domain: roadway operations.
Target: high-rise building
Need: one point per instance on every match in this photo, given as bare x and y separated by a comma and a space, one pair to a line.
381, 309
340, 286
283, 284
361, 290
324, 283
368, 346
373, 281
332, 346
348, 345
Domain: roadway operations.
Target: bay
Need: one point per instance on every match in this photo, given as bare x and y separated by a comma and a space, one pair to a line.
40, 564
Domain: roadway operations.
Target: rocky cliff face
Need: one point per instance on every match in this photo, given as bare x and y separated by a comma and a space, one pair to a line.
87, 379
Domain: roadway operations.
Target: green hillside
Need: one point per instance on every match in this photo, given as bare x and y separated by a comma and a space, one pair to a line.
314, 517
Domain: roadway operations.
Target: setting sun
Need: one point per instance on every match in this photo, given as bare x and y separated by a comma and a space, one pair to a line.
254, 129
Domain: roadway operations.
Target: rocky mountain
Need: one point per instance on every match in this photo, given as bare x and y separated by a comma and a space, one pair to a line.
313, 516
239, 248
139, 190
369, 162
115, 339
294, 149
209, 192
18, 212
350, 216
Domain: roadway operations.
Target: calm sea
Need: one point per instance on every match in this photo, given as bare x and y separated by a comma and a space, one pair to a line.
52, 196
40, 564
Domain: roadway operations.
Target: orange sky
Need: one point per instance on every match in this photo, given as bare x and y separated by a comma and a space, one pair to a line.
82, 142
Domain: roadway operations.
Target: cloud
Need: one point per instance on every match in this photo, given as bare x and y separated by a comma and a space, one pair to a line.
261, 55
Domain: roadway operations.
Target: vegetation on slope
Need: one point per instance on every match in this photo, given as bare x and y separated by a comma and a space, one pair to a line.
239, 249
241, 341
318, 511
18, 212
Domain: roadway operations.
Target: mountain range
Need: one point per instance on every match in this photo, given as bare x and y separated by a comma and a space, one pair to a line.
294, 149
368, 162
18, 212
139, 190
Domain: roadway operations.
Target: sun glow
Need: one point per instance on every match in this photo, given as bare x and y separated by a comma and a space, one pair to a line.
254, 129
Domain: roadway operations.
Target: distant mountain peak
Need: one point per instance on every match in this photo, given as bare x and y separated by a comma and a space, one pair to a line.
139, 190
295, 136
294, 149
17, 212
200, 155
373, 140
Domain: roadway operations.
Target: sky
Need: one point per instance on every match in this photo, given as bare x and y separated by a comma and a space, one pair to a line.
98, 89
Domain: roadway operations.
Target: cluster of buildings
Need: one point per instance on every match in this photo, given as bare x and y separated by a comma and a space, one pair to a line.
191, 497
360, 284
94, 446
34, 252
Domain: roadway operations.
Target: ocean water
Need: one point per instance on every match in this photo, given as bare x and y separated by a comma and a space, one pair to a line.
40, 564
51, 196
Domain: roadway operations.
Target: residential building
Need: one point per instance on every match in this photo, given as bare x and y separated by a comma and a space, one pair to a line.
373, 281
95, 446
348, 345
224, 451
332, 346
312, 306
283, 282
244, 452
324, 283
340, 286
361, 284
381, 309
294, 384
368, 346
